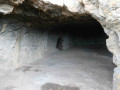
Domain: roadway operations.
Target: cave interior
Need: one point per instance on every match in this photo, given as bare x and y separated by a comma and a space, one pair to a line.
63, 54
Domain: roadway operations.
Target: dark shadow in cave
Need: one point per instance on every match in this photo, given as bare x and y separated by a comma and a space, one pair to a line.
59, 43
89, 35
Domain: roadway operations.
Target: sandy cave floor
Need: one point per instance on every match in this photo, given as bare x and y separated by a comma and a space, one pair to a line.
73, 69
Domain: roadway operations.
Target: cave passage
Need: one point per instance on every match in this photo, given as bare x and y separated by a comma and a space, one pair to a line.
83, 60
89, 35
65, 56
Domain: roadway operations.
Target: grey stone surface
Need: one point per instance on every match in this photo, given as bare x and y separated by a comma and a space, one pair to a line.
107, 12
21, 45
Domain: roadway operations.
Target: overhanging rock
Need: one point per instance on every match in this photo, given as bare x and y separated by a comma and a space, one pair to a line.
107, 12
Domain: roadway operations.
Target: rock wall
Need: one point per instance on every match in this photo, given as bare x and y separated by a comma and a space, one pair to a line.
21, 43
107, 12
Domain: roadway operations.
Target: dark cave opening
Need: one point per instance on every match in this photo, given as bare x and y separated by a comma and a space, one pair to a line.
89, 35
59, 43
82, 46
86, 32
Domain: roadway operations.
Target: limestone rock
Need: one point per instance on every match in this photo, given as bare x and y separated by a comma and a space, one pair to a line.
107, 12
6, 8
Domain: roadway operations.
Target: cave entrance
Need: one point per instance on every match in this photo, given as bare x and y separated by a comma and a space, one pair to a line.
75, 55
83, 57
89, 34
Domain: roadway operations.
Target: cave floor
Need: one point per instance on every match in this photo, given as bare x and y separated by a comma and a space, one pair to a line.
73, 69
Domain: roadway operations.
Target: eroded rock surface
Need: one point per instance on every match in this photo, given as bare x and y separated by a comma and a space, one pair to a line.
107, 12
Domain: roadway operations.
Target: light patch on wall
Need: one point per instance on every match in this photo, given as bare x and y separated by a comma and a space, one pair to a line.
6, 8
4, 28
58, 2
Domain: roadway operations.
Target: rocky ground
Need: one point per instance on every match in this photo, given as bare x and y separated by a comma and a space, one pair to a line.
74, 69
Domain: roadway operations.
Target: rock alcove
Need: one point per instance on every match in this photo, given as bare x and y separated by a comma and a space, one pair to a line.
34, 29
